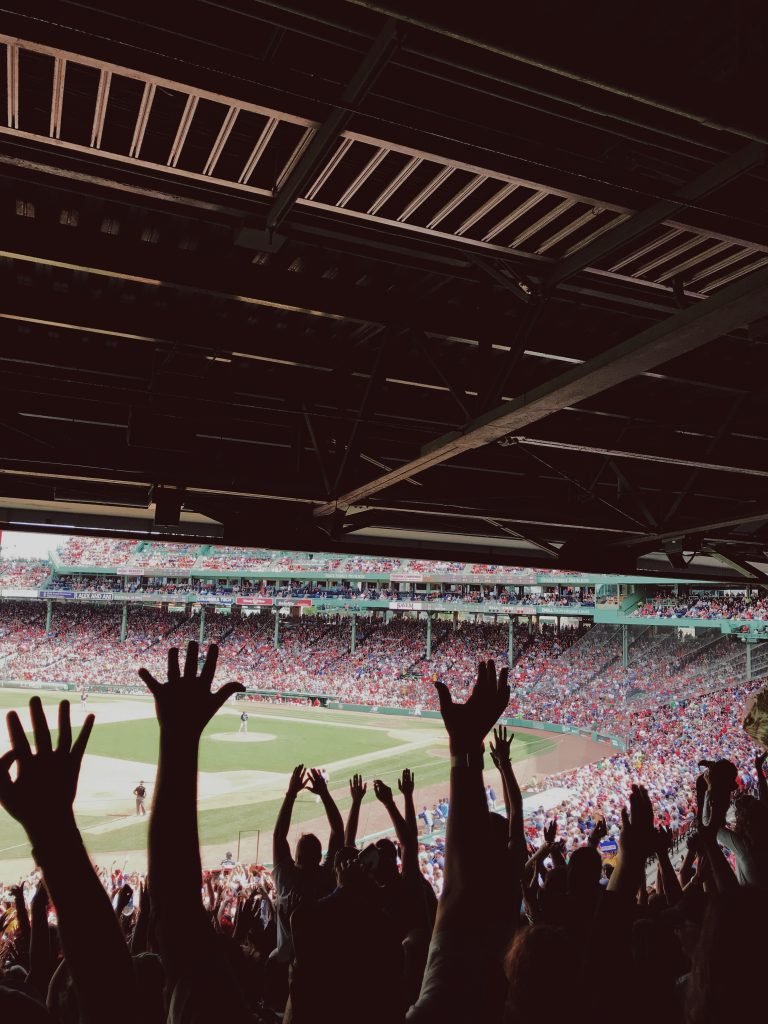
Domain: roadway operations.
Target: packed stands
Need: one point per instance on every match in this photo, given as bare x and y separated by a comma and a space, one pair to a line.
23, 572
712, 605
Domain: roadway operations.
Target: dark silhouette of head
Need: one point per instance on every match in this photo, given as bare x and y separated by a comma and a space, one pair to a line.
528, 966
309, 852
386, 870
584, 870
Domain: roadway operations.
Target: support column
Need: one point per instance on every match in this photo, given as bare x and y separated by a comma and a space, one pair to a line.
429, 636
202, 624
749, 660
353, 635
277, 630
124, 624
624, 645
455, 621
48, 615
511, 642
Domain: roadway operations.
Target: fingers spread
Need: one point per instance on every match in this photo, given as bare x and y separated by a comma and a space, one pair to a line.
78, 747
65, 728
209, 665
190, 662
149, 681
19, 741
227, 690
40, 726
174, 675
444, 697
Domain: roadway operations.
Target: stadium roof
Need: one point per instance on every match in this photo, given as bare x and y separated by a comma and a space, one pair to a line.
466, 282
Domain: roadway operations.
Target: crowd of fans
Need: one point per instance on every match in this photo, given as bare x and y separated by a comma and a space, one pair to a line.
23, 572
572, 676
475, 926
704, 605
107, 553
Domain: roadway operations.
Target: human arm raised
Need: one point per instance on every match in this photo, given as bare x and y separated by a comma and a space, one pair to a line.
636, 844
405, 826
316, 784
41, 798
41, 963
468, 831
513, 798
184, 706
357, 790
281, 851
762, 784
669, 880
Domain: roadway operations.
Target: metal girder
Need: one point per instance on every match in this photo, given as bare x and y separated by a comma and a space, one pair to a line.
741, 303
741, 565
327, 135
634, 494
617, 453
241, 282
715, 177
700, 530
722, 431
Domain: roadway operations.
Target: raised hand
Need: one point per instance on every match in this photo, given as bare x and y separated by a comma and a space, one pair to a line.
297, 782
663, 843
123, 899
357, 788
382, 791
550, 831
44, 790
185, 703
599, 832
406, 782
760, 761
638, 838
468, 724
316, 783
499, 747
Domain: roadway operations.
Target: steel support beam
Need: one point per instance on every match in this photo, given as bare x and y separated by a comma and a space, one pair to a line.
327, 135
629, 230
739, 304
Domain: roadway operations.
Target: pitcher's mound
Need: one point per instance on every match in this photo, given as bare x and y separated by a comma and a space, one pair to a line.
243, 737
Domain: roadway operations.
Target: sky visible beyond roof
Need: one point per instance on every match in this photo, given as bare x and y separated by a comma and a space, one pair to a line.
29, 545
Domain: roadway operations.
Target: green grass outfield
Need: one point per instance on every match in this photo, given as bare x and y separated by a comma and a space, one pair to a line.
312, 736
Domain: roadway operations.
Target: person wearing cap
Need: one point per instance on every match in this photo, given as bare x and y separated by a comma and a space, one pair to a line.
140, 793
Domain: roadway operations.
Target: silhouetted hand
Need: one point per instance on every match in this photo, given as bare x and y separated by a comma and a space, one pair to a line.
40, 899
41, 797
357, 788
406, 782
382, 791
599, 832
123, 899
468, 724
663, 841
550, 831
760, 761
638, 837
316, 783
499, 748
298, 781
185, 703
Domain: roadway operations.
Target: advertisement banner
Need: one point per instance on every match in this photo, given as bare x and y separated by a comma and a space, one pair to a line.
261, 602
60, 595
128, 572
406, 577
407, 606
19, 592
294, 602
94, 595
